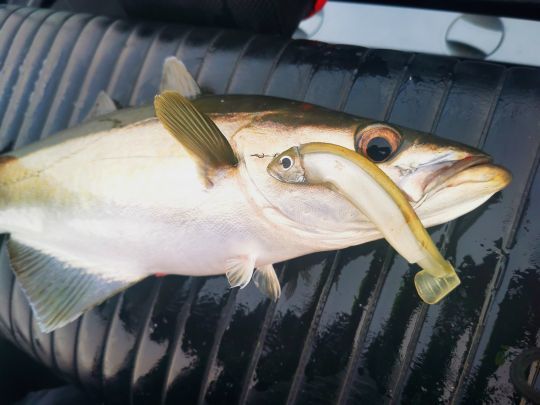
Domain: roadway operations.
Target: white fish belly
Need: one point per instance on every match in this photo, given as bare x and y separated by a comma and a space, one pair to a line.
128, 199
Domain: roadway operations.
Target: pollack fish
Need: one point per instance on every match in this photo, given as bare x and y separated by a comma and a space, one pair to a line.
379, 199
98, 207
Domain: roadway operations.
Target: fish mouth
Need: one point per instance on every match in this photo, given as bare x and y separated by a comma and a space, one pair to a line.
471, 169
461, 192
449, 170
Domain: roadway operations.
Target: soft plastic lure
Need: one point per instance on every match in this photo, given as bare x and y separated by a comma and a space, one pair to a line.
378, 198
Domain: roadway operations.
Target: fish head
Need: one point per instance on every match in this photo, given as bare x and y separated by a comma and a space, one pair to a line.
441, 179
287, 167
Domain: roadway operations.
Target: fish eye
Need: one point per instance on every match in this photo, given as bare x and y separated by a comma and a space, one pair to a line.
286, 162
378, 142
378, 149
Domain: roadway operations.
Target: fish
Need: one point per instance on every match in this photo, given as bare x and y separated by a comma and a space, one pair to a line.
379, 199
181, 187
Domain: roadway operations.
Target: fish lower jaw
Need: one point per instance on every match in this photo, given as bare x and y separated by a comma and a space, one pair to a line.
442, 214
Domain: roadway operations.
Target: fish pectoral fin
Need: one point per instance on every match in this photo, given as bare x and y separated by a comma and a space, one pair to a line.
194, 130
59, 292
266, 280
239, 270
175, 77
104, 104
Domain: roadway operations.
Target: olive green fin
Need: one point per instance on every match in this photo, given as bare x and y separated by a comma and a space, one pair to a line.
194, 130
266, 280
60, 292
239, 271
103, 105
175, 77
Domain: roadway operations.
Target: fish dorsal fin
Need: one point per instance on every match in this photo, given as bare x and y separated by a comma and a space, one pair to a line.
175, 77
103, 105
60, 292
194, 130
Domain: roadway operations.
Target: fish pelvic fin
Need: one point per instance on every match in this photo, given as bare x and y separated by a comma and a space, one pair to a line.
60, 292
266, 280
175, 77
194, 130
239, 270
